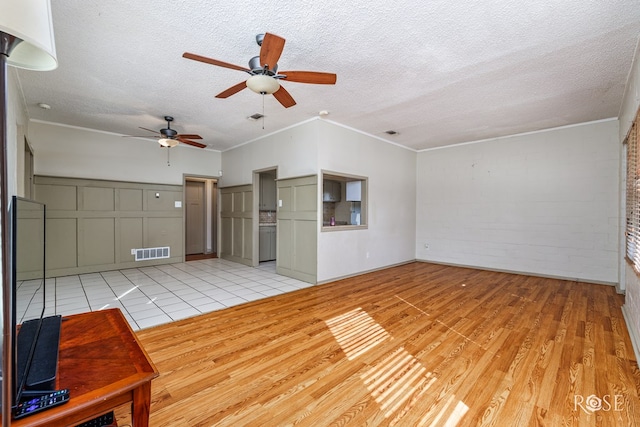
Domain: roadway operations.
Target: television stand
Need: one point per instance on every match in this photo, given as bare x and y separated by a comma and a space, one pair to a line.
41, 377
103, 366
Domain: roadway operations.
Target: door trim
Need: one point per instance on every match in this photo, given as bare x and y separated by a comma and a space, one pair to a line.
256, 211
212, 214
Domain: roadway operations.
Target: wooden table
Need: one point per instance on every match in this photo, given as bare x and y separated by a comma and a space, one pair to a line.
103, 365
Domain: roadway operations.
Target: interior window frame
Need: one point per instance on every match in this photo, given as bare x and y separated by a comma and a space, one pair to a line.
361, 209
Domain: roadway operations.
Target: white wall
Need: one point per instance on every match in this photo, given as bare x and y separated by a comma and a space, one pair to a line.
316, 145
631, 308
16, 125
83, 153
292, 151
542, 203
391, 172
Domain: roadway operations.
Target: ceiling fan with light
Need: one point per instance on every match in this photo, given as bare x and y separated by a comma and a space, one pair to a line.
168, 137
263, 70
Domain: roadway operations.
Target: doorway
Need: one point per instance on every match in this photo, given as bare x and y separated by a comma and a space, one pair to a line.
267, 211
200, 196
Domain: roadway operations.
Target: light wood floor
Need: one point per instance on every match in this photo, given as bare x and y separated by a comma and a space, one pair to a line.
418, 344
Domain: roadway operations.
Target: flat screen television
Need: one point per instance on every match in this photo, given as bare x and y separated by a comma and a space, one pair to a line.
36, 337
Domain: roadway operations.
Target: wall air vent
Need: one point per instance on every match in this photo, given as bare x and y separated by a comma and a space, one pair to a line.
151, 253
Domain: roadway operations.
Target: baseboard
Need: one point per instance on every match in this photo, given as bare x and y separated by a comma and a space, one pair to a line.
633, 334
365, 272
524, 273
478, 267
239, 260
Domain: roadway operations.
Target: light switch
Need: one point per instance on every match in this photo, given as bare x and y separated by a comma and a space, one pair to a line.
178, 204
157, 195
279, 203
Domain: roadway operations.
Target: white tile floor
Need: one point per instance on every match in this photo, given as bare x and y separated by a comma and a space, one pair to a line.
150, 296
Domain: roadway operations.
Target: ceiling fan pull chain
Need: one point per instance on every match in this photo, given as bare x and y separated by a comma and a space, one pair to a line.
168, 156
263, 111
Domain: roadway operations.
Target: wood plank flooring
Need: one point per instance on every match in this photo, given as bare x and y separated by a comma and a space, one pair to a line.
413, 345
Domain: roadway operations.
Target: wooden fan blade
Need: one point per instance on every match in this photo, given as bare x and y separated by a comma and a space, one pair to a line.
150, 130
213, 61
271, 50
284, 97
313, 77
186, 141
232, 90
189, 136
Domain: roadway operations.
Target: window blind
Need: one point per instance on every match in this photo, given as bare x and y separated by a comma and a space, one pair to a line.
633, 197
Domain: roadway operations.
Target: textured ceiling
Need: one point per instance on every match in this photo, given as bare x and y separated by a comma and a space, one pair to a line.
437, 72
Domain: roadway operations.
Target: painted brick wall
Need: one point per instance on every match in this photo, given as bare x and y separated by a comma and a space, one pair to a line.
542, 203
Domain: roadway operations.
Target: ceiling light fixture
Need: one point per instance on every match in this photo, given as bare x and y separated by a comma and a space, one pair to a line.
168, 142
262, 84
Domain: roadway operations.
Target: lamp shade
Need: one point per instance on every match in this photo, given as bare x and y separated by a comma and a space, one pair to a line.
263, 84
29, 21
168, 142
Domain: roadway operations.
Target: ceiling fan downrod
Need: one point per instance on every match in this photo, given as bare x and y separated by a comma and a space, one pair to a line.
168, 132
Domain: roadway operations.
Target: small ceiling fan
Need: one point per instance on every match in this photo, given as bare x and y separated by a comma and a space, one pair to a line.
168, 137
263, 70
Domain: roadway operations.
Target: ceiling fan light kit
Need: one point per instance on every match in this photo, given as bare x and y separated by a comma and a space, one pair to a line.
169, 138
263, 70
263, 84
168, 142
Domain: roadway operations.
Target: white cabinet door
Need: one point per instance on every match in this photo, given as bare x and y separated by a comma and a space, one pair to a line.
264, 243
267, 243
272, 243
354, 191
331, 190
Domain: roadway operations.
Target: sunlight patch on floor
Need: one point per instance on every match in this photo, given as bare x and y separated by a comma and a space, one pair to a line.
452, 413
398, 381
356, 332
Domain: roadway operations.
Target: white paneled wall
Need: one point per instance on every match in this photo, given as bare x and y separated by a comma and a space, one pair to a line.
543, 203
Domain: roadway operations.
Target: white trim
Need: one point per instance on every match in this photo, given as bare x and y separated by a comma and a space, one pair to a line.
269, 134
497, 138
635, 342
368, 134
324, 120
150, 138
636, 52
521, 273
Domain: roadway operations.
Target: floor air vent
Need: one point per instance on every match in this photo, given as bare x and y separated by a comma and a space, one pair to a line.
152, 253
